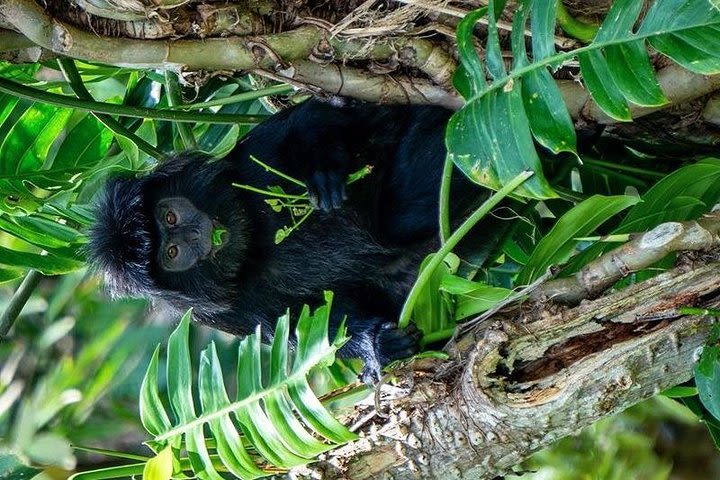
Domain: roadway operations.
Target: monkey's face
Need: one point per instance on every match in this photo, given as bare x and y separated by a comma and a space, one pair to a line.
186, 234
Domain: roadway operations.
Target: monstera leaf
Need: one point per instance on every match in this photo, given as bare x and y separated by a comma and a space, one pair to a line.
491, 138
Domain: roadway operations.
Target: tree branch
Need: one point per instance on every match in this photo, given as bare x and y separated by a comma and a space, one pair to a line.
289, 56
642, 252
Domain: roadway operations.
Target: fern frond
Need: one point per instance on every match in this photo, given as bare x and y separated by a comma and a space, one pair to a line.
274, 422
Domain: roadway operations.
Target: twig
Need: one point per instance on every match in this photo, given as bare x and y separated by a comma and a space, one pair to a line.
635, 255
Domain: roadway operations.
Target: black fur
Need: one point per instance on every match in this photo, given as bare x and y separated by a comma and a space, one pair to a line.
367, 252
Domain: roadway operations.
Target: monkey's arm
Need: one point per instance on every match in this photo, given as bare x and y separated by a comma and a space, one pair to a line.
321, 144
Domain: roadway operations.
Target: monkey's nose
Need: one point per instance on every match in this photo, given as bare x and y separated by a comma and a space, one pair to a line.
186, 235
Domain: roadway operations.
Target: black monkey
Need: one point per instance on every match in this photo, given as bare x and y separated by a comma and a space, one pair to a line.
153, 235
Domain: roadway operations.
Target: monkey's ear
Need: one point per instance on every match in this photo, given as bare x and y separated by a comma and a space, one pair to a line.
120, 245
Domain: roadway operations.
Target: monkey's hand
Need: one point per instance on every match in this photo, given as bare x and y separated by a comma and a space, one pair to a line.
326, 189
391, 343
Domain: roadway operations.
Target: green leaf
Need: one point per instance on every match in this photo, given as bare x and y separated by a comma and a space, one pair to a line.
12, 467
432, 312
28, 142
557, 246
85, 146
543, 28
47, 264
213, 397
153, 415
493, 53
680, 392
160, 467
708, 386
198, 454
634, 74
40, 231
691, 38
682, 195
478, 301
601, 84
217, 236
490, 141
551, 124
8, 274
708, 359
179, 376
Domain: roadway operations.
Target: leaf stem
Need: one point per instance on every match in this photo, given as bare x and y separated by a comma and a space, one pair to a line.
36, 95
453, 240
174, 96
626, 168
18, 301
445, 200
268, 192
277, 172
70, 71
238, 98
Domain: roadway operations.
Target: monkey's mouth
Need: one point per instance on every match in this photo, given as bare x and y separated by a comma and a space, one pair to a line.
219, 237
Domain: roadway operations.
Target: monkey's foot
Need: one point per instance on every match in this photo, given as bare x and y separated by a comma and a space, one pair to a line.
391, 343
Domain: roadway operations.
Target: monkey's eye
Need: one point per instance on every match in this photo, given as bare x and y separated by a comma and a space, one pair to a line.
172, 251
170, 218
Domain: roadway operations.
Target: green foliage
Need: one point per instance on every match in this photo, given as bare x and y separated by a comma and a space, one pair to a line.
281, 421
298, 207
432, 312
52, 159
491, 137
61, 367
472, 298
557, 246
681, 195
707, 379
11, 467
427, 273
